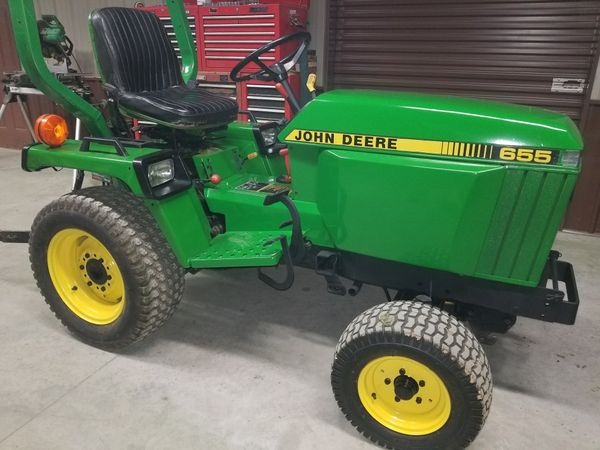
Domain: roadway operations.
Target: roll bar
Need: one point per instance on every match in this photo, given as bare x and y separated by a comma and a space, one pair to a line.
25, 29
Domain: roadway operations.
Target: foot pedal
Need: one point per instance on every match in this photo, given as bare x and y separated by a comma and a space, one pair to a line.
326, 265
289, 267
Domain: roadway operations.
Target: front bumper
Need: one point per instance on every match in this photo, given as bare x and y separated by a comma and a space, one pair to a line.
560, 306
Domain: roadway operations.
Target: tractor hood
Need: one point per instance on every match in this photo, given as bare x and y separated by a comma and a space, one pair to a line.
339, 116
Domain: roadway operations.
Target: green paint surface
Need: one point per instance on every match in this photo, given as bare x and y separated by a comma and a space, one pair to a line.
478, 217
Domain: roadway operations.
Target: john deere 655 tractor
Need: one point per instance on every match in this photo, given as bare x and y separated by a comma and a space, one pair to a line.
451, 205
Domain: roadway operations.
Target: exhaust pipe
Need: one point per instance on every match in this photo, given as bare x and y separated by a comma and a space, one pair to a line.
355, 289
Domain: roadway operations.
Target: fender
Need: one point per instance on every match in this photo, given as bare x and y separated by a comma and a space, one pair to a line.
175, 207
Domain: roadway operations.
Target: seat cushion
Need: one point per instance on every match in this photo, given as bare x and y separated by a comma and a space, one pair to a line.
180, 106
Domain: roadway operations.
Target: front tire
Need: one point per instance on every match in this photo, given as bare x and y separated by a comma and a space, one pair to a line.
104, 267
410, 376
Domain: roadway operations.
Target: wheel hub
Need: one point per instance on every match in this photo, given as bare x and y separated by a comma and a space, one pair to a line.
86, 276
404, 395
96, 271
405, 387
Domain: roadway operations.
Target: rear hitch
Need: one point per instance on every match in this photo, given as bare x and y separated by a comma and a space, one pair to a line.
326, 265
14, 237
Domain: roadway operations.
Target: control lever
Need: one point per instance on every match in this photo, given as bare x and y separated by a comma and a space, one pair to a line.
285, 153
311, 85
286, 92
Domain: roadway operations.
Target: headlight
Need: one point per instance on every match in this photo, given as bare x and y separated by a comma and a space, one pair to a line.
161, 172
269, 136
571, 158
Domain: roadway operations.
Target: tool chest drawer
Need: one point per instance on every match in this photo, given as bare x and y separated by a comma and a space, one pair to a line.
230, 33
264, 101
163, 14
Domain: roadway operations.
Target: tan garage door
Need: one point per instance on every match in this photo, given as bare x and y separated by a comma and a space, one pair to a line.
513, 51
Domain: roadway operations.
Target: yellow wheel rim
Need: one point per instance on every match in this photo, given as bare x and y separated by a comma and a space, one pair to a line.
404, 395
86, 276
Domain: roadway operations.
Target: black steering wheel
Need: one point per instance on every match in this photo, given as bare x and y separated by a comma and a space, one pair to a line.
278, 71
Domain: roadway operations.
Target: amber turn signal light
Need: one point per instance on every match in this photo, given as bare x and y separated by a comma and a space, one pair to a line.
51, 129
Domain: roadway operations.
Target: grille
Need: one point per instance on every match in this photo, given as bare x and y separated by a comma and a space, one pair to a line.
527, 215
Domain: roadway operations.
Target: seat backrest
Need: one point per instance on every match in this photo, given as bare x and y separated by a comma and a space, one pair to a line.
133, 51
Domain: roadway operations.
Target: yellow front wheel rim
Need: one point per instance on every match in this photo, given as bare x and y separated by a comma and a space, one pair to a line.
86, 276
404, 395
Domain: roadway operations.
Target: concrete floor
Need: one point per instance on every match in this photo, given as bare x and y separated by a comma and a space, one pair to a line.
240, 366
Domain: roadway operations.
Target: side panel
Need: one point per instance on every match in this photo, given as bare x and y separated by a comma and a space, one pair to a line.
410, 210
484, 220
184, 223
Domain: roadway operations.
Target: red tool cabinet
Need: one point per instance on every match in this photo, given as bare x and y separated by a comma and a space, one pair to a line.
228, 33
264, 101
225, 34
260, 98
163, 14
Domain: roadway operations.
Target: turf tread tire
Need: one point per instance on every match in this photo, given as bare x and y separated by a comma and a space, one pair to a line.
153, 270
432, 331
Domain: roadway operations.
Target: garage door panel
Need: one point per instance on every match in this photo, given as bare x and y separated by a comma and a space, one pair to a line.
508, 51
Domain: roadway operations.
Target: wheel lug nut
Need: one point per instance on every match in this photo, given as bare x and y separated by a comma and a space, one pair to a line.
419, 400
421, 383
89, 283
402, 371
81, 267
397, 399
388, 381
374, 395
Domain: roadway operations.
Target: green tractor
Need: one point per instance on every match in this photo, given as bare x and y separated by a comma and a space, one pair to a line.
451, 205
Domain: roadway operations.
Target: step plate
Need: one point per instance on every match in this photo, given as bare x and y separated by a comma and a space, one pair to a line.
240, 249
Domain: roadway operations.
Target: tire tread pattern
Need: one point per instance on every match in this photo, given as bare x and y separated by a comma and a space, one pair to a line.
157, 273
429, 329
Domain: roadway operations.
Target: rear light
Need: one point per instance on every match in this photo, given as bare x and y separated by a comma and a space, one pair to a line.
51, 129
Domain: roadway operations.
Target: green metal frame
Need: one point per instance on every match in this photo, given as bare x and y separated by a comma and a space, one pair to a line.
185, 41
24, 24
25, 29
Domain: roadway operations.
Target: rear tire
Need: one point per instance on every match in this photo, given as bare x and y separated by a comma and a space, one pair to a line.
410, 376
104, 267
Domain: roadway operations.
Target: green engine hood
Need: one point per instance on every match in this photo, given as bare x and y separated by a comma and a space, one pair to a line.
436, 118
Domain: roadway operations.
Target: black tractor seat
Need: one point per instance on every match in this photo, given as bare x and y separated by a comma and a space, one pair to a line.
180, 106
141, 73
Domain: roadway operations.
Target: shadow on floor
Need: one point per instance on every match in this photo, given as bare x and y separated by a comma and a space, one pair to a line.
232, 311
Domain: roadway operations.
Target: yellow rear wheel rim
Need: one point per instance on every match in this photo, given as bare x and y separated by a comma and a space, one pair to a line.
404, 395
86, 276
